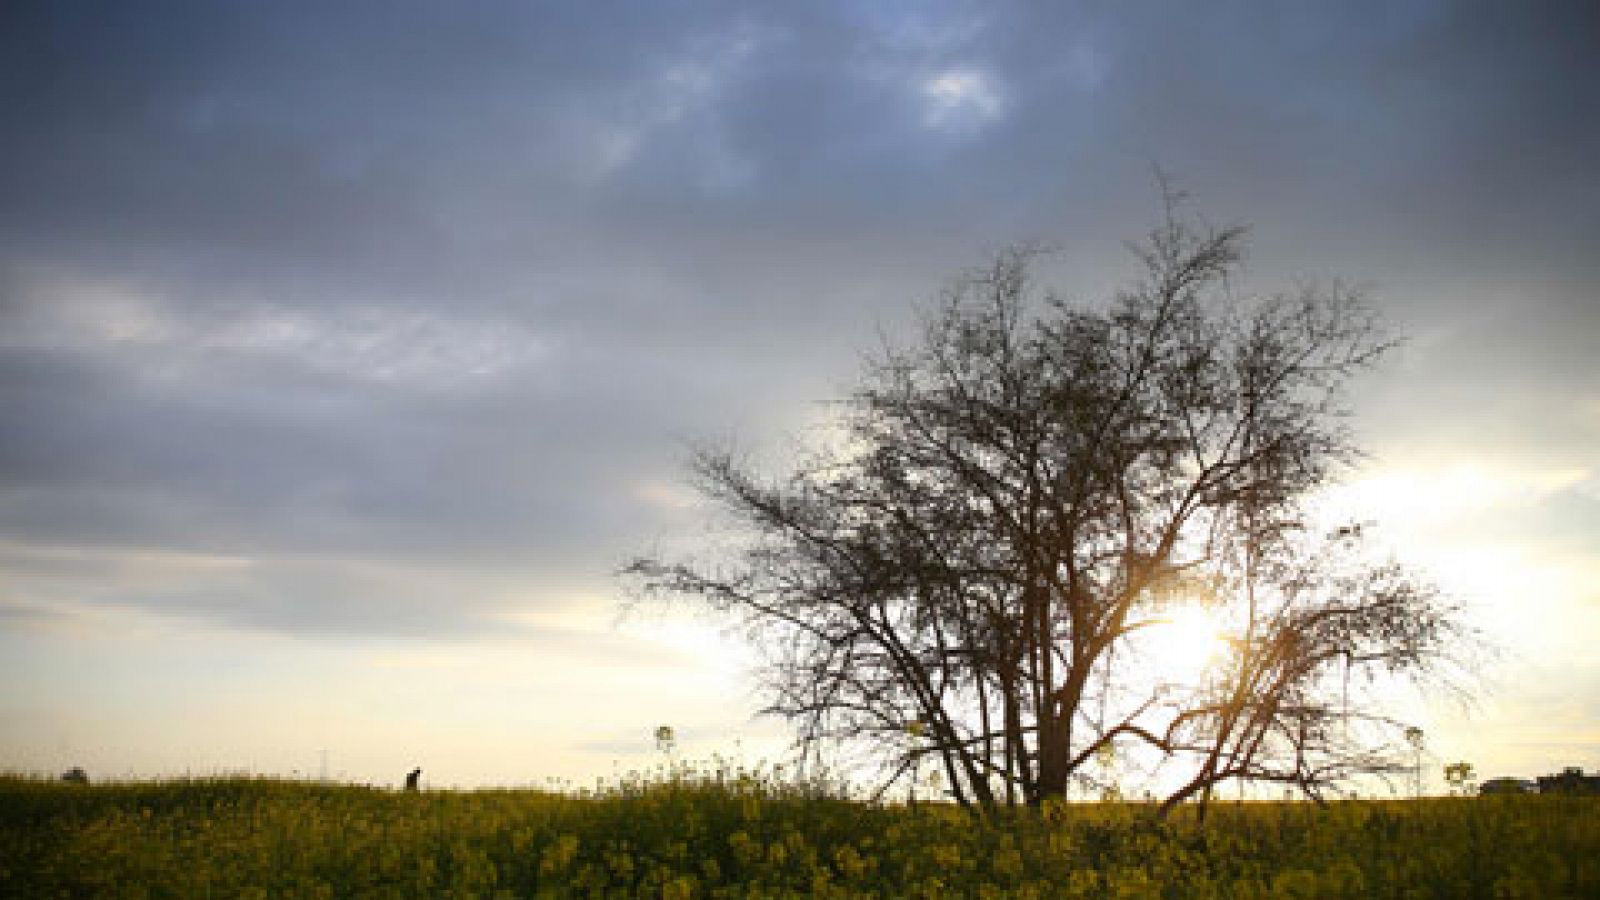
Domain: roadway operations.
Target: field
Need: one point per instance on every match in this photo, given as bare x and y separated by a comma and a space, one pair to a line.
681, 838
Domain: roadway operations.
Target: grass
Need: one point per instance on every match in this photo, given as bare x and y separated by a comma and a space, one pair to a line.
698, 836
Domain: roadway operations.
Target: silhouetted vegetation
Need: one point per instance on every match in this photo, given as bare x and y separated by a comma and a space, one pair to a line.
1570, 780
965, 574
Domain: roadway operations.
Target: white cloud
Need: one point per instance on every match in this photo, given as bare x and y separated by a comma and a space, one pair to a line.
961, 100
361, 342
381, 345
1433, 497
64, 309
665, 494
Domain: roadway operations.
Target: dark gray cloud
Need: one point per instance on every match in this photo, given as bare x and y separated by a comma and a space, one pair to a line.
322, 288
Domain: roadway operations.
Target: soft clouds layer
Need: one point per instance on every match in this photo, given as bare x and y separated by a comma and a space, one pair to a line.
392, 319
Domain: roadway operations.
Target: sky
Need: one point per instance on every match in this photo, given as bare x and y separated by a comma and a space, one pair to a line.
347, 350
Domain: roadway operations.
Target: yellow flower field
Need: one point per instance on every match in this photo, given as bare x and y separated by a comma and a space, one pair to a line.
686, 837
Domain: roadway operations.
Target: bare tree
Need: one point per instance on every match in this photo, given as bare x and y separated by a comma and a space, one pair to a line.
1022, 491
1292, 702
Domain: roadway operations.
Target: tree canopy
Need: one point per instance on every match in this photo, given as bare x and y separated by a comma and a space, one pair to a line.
1026, 487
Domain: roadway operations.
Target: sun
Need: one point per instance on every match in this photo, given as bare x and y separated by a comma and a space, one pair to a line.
1181, 642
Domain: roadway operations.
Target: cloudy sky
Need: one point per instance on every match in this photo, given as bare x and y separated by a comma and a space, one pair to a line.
347, 349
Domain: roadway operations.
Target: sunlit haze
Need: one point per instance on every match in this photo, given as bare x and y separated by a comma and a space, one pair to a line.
1182, 643
347, 350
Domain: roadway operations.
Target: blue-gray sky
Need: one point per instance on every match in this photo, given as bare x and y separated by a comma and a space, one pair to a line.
346, 349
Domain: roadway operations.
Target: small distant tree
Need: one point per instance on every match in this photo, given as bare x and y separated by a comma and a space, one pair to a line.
1460, 777
1106, 762
1024, 489
915, 752
666, 739
1418, 742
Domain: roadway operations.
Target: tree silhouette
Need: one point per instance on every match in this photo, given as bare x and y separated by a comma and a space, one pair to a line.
1019, 494
1459, 776
1418, 741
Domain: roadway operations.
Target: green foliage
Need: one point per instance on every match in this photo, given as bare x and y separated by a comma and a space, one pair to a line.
736, 835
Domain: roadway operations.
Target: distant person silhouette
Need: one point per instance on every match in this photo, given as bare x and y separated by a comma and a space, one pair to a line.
412, 778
